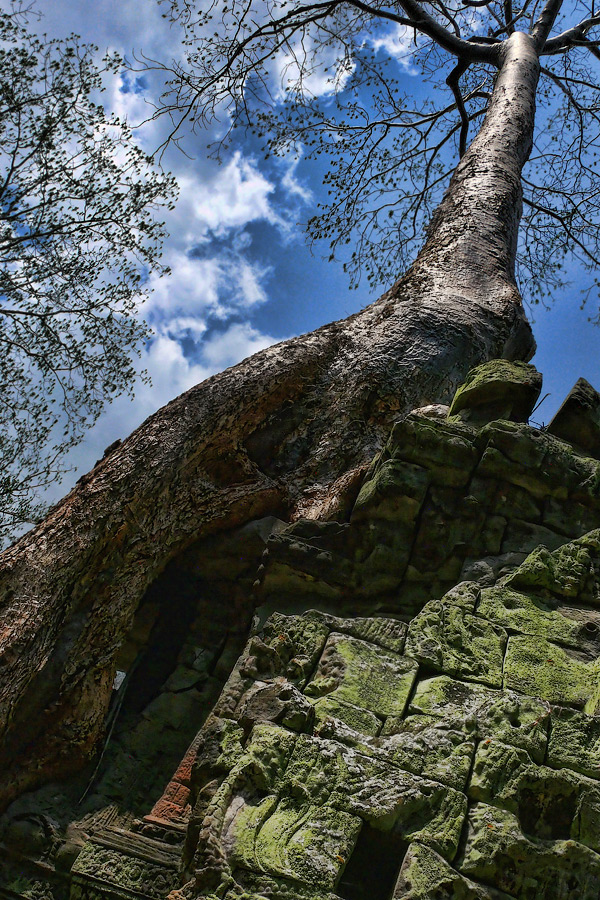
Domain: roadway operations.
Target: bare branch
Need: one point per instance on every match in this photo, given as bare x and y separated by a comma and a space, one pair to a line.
544, 23
568, 38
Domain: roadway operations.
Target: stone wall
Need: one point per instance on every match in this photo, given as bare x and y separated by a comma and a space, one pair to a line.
414, 715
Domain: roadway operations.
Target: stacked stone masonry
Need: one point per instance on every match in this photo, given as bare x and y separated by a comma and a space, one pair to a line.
415, 715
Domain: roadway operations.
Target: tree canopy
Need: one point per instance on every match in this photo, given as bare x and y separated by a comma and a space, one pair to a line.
328, 79
78, 240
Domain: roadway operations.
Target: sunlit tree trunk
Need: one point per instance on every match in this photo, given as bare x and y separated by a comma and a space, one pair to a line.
286, 432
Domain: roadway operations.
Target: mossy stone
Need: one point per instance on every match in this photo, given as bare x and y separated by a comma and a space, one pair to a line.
497, 852
363, 675
575, 742
565, 572
425, 875
394, 492
513, 718
433, 748
528, 614
550, 804
282, 837
360, 720
445, 638
578, 419
498, 389
543, 669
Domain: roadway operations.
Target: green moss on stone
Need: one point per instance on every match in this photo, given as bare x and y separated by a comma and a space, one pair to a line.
360, 720
363, 675
575, 741
445, 638
542, 669
513, 718
528, 615
497, 852
565, 572
394, 492
425, 875
433, 748
283, 838
498, 389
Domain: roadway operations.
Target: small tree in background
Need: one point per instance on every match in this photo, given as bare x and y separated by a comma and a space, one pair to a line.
78, 239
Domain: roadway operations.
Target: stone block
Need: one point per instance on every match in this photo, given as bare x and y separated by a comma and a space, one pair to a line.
390, 634
445, 638
578, 419
124, 865
357, 718
539, 482
439, 749
575, 742
260, 886
289, 839
567, 572
498, 389
521, 444
498, 853
571, 519
435, 444
523, 537
508, 716
550, 805
505, 499
362, 675
535, 615
425, 875
394, 492
542, 669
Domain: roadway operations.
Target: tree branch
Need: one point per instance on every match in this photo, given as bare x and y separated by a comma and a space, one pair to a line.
573, 35
544, 23
452, 81
470, 51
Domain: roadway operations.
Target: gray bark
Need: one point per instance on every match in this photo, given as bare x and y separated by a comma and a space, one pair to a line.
286, 432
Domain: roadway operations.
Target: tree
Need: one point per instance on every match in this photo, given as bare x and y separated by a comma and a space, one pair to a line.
391, 151
290, 430
78, 239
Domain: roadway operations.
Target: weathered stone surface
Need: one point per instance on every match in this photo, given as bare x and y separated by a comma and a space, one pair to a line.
426, 875
364, 676
498, 389
445, 638
578, 419
550, 805
538, 615
290, 839
330, 708
575, 741
395, 492
498, 852
438, 749
417, 737
567, 572
130, 865
543, 669
513, 718
384, 632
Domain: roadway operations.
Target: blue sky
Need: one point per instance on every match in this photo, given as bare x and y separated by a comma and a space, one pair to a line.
242, 274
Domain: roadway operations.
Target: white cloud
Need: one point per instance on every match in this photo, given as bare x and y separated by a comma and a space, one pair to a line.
399, 43
291, 184
231, 196
322, 74
238, 342
218, 287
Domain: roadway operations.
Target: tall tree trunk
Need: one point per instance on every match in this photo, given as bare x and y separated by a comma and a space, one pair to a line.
288, 431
